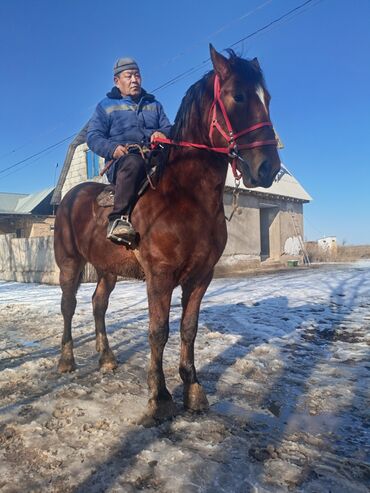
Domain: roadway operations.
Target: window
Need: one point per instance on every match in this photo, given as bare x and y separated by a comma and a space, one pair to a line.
92, 164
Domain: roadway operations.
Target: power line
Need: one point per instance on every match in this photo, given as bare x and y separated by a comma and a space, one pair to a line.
291, 17
273, 22
183, 74
169, 61
216, 33
38, 153
42, 134
258, 31
32, 161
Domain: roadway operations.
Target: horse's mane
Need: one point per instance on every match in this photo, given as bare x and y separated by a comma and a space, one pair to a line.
192, 106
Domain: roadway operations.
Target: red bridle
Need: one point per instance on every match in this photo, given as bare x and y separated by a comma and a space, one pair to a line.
232, 149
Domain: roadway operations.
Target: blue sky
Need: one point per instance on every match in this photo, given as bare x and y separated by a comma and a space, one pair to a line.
56, 64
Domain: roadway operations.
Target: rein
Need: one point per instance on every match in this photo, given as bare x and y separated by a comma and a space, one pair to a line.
232, 149
128, 147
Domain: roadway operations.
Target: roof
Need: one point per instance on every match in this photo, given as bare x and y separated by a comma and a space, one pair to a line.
9, 201
19, 203
285, 186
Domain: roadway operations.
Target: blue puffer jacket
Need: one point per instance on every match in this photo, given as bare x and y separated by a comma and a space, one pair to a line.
119, 120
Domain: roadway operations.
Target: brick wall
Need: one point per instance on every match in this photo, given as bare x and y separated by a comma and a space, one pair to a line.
26, 226
78, 170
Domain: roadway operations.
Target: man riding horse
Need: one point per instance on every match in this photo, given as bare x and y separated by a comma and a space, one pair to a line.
224, 117
124, 123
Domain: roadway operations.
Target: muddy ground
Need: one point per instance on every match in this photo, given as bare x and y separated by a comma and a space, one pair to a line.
284, 360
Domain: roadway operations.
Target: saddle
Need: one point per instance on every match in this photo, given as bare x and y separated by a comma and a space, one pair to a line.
154, 165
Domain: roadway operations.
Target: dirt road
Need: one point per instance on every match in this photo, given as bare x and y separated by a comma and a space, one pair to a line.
284, 359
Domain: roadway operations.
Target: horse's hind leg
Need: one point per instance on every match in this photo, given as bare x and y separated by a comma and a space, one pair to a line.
194, 395
106, 284
70, 277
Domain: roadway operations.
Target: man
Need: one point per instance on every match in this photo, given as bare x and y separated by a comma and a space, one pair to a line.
128, 115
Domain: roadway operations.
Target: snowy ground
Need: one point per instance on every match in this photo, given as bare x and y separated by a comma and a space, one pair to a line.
283, 358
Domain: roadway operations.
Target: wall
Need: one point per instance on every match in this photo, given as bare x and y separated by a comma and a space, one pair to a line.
328, 243
28, 259
27, 225
291, 229
243, 246
243, 249
11, 223
43, 227
78, 170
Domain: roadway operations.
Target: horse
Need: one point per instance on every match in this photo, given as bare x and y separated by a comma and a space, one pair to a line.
224, 117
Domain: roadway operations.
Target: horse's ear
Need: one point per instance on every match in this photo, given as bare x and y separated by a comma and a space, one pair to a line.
220, 63
256, 63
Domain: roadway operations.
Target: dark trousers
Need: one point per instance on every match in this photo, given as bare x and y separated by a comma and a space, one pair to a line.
129, 174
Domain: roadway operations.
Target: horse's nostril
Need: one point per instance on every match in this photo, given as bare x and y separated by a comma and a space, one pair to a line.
264, 170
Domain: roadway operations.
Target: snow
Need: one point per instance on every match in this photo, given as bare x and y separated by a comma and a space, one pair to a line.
283, 358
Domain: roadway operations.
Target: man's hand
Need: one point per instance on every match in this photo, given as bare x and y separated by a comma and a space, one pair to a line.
119, 152
157, 135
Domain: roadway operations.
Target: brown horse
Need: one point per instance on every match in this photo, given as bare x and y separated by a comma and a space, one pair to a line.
181, 224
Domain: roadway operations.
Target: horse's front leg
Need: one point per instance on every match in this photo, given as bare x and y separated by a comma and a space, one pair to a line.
160, 403
194, 395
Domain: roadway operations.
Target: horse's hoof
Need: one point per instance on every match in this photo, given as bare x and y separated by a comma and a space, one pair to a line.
146, 421
66, 365
161, 409
195, 398
108, 361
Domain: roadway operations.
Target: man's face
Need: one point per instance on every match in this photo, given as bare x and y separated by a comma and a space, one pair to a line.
129, 82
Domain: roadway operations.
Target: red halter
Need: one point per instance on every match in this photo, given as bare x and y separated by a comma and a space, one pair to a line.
232, 149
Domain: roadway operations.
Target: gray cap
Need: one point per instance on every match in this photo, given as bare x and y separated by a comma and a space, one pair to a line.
124, 64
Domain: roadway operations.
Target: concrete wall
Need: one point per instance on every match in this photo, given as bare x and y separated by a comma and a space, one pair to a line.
291, 227
28, 259
261, 223
243, 245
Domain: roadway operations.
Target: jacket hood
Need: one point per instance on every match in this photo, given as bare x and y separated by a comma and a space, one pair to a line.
115, 93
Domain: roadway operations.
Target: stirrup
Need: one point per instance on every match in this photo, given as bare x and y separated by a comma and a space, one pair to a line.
128, 238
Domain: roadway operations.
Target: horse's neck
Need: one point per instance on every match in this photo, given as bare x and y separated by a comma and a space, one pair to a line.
193, 169
201, 172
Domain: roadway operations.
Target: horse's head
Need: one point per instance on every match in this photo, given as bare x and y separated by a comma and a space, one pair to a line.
240, 116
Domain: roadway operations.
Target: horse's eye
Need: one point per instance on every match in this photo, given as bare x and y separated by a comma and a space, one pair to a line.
239, 98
